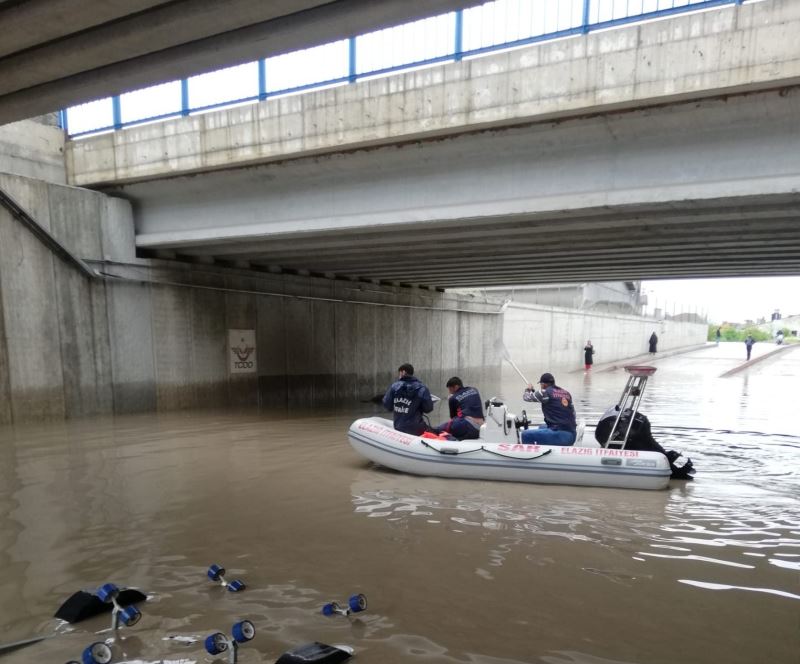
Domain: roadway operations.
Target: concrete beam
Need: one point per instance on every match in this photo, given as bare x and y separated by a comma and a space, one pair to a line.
104, 44
126, 46
690, 230
726, 51
693, 189
35, 22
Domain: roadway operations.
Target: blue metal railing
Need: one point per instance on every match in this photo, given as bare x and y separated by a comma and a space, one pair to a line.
354, 59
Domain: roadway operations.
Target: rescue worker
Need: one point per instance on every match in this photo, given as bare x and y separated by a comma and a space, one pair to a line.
408, 399
466, 411
559, 414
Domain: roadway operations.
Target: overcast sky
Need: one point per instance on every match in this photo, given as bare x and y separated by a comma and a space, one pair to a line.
734, 300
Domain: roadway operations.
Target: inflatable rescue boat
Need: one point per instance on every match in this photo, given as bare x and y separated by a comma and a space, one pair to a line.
499, 454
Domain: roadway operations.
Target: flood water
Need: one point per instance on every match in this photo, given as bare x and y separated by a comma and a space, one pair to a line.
454, 570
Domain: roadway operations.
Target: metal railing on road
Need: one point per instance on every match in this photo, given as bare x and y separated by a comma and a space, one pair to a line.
491, 27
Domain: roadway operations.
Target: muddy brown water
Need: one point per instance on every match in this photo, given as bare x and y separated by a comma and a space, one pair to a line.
454, 570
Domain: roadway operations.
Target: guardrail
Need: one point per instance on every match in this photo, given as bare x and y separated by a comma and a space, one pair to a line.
488, 28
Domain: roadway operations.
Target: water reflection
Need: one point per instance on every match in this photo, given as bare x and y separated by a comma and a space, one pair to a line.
715, 524
455, 570
568, 657
722, 586
504, 509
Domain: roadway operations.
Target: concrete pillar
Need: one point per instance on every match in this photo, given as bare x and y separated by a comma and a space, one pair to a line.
130, 318
31, 308
272, 371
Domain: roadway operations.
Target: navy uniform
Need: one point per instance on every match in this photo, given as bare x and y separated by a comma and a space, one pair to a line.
466, 414
559, 414
408, 399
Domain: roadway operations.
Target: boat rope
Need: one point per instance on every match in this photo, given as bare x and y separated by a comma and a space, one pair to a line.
454, 451
509, 456
450, 451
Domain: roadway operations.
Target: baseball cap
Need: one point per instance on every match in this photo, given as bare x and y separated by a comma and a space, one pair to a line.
547, 378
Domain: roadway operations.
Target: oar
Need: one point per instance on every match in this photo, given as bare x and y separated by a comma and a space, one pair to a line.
10, 647
501, 347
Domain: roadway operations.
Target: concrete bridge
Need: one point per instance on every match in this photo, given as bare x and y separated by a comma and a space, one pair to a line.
661, 149
56, 53
666, 149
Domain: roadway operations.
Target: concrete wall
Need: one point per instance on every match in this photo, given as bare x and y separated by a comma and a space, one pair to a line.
719, 52
54, 341
154, 334
597, 296
319, 342
541, 338
33, 148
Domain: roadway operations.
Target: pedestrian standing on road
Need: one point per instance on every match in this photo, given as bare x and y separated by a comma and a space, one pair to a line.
719, 335
588, 351
653, 343
748, 342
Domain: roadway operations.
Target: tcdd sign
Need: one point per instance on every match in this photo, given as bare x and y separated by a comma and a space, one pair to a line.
242, 344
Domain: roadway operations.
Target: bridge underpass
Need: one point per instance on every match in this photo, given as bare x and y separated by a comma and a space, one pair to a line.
701, 189
617, 155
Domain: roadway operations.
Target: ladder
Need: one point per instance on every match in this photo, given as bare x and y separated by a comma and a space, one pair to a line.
629, 401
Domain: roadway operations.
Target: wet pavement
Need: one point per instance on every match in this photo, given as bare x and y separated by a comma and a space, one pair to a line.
454, 570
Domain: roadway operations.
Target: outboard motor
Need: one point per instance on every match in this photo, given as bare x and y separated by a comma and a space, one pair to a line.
639, 437
499, 425
622, 426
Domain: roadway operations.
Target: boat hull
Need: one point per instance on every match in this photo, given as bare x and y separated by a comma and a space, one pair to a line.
376, 439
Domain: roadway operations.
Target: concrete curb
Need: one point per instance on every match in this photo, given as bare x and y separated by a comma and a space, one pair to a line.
755, 360
645, 358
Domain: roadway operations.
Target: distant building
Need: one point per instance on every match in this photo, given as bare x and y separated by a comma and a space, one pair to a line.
791, 323
607, 296
689, 317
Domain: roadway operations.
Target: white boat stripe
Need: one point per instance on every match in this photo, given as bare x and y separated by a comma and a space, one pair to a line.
543, 465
